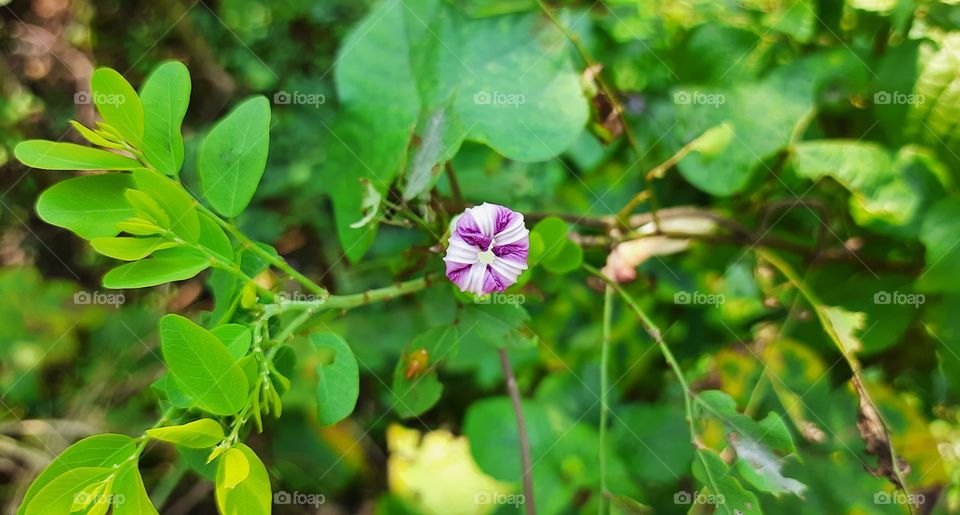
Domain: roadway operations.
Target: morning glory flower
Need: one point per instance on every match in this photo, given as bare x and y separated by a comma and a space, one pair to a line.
488, 249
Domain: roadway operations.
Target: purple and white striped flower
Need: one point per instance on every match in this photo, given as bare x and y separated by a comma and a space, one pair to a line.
488, 249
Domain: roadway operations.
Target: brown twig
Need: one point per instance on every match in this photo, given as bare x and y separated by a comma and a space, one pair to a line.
522, 435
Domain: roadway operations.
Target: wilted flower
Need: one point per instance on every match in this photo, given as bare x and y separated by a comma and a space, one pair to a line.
623, 261
488, 249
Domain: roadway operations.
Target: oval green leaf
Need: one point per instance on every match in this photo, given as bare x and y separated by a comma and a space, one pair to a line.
165, 266
118, 104
250, 496
338, 376
165, 96
50, 155
198, 434
234, 155
91, 205
98, 451
129, 249
203, 368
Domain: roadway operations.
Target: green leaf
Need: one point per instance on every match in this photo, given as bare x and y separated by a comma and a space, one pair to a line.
236, 337
129, 486
847, 325
940, 233
163, 267
59, 495
762, 468
129, 249
198, 434
438, 143
796, 18
769, 431
252, 494
568, 259
553, 233
147, 208
165, 95
558, 254
377, 92
214, 239
202, 366
416, 385
178, 204
496, 325
730, 497
754, 138
118, 104
233, 469
934, 107
234, 155
90, 205
491, 428
338, 378
413, 397
622, 504
646, 435
481, 8
49, 155
95, 137
98, 451
519, 93
866, 169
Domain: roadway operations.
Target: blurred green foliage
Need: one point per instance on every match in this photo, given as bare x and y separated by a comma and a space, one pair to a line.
833, 141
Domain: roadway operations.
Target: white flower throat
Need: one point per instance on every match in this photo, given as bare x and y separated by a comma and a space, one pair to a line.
486, 257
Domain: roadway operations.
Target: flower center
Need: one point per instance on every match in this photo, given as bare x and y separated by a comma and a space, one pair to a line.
486, 256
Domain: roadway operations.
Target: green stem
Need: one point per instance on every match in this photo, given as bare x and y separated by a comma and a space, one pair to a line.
353, 300
295, 324
275, 261
657, 337
217, 262
143, 439
655, 173
602, 503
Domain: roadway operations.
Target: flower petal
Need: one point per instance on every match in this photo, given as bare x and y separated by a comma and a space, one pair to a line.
516, 252
509, 271
460, 251
458, 274
494, 282
510, 229
470, 229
